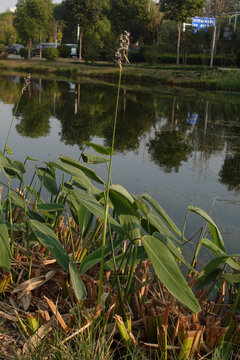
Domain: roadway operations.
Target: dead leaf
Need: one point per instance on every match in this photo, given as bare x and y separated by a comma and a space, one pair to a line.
57, 314
33, 283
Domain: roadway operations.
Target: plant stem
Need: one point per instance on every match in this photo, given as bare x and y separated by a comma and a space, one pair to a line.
107, 194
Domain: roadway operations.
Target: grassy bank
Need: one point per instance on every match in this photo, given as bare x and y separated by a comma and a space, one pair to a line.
202, 78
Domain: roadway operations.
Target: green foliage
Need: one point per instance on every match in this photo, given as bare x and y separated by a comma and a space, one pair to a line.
2, 48
8, 34
5, 253
130, 15
154, 55
85, 12
64, 51
33, 19
50, 54
168, 272
181, 10
99, 43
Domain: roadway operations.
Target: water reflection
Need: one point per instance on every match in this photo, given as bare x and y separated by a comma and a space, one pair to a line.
174, 128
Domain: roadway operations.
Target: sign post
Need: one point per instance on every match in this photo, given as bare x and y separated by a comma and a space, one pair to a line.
213, 45
203, 23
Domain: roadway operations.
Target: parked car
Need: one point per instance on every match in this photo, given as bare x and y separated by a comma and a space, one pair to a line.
14, 49
74, 49
36, 49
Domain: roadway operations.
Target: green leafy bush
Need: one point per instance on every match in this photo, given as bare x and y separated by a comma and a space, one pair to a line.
50, 54
64, 51
153, 55
2, 48
24, 53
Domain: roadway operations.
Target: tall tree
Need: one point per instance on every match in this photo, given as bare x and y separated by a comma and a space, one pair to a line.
86, 14
33, 20
130, 15
181, 11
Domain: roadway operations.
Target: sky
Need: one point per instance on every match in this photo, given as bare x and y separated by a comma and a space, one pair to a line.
7, 3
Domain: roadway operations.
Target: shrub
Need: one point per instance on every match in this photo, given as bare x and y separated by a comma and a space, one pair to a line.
50, 54
24, 53
2, 48
64, 51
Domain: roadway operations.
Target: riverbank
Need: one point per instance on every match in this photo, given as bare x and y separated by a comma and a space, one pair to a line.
198, 77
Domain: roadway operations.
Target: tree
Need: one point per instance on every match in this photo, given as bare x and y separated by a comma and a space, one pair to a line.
181, 11
85, 14
130, 15
33, 20
8, 33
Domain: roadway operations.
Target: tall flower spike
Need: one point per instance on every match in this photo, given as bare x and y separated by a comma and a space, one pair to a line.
27, 81
122, 51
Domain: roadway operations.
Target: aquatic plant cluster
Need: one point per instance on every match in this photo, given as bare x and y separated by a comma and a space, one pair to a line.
50, 266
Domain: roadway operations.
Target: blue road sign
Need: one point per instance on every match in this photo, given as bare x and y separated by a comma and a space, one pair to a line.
202, 22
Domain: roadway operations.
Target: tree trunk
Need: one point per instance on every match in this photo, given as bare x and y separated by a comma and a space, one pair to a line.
209, 6
179, 41
40, 52
29, 49
80, 45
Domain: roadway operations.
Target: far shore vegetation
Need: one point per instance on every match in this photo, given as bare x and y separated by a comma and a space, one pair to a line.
188, 76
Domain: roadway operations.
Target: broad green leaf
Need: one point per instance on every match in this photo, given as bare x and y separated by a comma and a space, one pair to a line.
213, 265
17, 200
47, 237
174, 250
73, 205
212, 277
47, 179
35, 216
122, 191
142, 205
126, 210
219, 252
95, 208
231, 278
169, 273
82, 216
104, 150
122, 259
216, 235
162, 213
95, 257
85, 219
94, 159
83, 182
16, 227
78, 285
77, 165
50, 207
14, 169
5, 253
154, 223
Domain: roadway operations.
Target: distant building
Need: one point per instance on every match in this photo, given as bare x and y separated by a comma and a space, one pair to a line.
11, 9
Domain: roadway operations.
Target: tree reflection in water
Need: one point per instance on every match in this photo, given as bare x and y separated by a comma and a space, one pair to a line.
175, 127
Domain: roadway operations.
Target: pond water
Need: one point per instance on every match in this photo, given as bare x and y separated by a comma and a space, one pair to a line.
181, 147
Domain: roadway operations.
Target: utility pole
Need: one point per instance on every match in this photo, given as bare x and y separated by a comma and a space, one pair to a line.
213, 43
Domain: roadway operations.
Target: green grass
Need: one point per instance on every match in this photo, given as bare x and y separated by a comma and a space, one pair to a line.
183, 76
